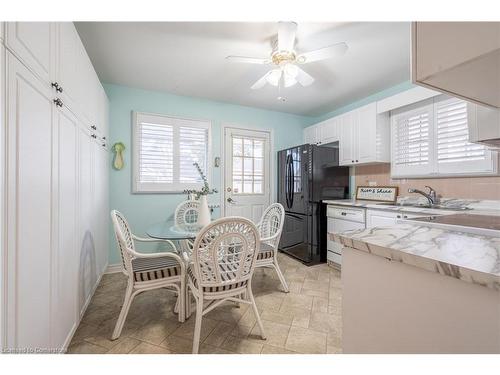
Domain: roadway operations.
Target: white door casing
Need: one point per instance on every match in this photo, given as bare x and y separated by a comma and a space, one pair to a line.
247, 171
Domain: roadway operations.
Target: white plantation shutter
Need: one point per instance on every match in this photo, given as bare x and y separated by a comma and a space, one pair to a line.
455, 154
156, 157
165, 149
411, 151
431, 138
193, 147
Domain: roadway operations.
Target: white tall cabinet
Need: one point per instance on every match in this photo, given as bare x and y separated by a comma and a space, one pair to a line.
55, 203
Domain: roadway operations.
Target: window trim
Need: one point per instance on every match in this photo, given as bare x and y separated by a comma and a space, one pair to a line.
174, 188
433, 168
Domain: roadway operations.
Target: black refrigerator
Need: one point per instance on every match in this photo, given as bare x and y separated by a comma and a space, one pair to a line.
307, 175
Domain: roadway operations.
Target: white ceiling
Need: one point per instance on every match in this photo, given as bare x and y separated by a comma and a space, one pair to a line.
188, 58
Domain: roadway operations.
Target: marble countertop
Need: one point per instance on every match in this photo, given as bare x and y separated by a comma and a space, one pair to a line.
468, 257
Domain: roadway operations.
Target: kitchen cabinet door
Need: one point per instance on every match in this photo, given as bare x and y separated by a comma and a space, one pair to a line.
366, 134
329, 131
375, 218
311, 135
30, 209
65, 257
347, 150
34, 44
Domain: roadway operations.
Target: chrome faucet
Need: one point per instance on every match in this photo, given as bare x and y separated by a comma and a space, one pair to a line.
431, 196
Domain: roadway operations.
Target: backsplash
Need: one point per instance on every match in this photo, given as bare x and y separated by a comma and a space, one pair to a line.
459, 187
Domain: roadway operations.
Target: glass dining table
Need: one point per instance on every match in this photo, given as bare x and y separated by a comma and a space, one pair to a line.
168, 230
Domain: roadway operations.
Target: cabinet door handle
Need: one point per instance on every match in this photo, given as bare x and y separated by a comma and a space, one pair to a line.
357, 161
93, 127
94, 136
58, 102
399, 216
56, 86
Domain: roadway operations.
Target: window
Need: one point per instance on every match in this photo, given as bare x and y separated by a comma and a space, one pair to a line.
248, 165
165, 149
411, 139
430, 138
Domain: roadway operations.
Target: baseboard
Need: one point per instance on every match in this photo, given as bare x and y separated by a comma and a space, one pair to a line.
114, 268
81, 314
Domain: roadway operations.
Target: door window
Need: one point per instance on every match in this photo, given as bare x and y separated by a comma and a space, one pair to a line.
248, 165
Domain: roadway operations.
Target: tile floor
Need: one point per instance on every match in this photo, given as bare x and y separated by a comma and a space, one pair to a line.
306, 320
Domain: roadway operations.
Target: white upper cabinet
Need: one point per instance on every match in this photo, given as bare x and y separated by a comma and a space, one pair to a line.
347, 151
328, 131
34, 44
484, 125
311, 134
67, 77
323, 132
364, 136
459, 58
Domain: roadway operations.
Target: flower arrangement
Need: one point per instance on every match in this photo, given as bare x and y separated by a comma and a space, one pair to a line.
205, 189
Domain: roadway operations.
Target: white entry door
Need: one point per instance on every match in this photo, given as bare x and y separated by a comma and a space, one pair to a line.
247, 187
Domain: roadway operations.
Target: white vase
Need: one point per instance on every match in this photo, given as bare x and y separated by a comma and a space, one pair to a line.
204, 212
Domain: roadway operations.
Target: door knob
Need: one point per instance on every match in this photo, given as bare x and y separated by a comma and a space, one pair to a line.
230, 200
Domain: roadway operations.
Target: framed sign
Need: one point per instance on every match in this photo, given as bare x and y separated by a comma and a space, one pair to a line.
377, 193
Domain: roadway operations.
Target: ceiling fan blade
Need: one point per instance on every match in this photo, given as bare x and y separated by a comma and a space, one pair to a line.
248, 60
261, 82
335, 50
305, 79
286, 36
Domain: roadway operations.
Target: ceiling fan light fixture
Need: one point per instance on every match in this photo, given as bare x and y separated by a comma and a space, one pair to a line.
291, 70
273, 78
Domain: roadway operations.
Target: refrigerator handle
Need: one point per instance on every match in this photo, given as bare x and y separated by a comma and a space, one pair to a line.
292, 182
287, 180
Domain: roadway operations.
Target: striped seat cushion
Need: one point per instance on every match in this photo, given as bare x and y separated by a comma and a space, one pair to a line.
147, 269
213, 289
266, 252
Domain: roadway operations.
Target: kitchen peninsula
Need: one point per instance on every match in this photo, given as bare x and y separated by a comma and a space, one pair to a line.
411, 288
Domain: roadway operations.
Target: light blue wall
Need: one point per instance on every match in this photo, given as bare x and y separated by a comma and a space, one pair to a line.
142, 210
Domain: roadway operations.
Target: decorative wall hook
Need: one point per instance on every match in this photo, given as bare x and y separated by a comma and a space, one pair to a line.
118, 149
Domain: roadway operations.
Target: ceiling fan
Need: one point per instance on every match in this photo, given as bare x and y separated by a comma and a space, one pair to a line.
285, 60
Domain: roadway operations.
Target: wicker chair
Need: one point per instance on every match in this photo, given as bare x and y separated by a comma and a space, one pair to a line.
270, 228
186, 216
147, 271
223, 261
